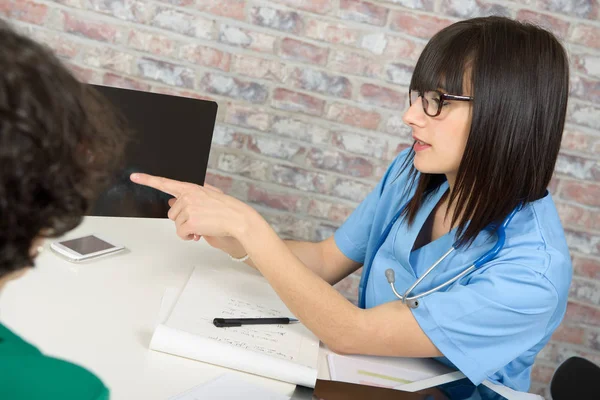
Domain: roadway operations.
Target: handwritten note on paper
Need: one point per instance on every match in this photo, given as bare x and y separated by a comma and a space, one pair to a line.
285, 352
229, 387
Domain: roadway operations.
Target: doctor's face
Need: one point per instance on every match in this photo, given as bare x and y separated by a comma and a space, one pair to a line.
440, 140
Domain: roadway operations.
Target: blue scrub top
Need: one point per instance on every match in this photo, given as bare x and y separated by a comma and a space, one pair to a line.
491, 323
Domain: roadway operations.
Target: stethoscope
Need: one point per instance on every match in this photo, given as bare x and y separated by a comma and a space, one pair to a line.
413, 301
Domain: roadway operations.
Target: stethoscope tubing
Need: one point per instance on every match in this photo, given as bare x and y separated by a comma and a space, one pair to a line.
412, 301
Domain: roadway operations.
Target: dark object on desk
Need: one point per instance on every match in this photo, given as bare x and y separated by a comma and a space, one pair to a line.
303, 393
462, 389
231, 322
171, 138
576, 378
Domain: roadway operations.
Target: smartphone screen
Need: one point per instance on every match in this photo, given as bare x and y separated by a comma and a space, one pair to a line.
87, 245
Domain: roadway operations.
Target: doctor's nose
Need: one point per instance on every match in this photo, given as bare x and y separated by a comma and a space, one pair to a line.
415, 115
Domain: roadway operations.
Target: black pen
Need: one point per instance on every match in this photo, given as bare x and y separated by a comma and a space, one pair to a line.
229, 322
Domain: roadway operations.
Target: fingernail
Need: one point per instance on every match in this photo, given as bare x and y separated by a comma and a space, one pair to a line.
135, 177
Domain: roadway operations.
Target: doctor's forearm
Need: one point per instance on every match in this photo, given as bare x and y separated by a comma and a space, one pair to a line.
308, 253
316, 303
388, 329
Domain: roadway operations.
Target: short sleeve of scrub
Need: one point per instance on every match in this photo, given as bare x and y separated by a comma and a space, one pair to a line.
483, 325
352, 238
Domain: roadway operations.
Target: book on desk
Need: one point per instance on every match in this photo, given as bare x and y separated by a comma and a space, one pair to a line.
287, 353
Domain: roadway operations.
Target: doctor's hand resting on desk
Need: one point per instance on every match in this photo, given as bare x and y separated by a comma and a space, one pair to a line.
463, 254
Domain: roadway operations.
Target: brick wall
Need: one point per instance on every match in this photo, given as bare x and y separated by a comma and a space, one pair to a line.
311, 94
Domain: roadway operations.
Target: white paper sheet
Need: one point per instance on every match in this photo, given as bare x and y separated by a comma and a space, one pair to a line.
229, 387
389, 372
284, 352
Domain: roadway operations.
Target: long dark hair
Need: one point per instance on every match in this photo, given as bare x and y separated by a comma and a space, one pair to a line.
519, 77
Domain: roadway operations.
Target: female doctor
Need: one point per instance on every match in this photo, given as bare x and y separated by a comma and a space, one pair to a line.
487, 108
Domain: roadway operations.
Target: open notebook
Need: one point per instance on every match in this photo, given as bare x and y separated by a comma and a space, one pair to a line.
284, 352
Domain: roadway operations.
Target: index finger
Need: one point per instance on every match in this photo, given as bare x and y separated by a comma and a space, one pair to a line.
169, 186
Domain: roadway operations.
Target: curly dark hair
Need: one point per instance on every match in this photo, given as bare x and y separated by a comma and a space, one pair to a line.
60, 144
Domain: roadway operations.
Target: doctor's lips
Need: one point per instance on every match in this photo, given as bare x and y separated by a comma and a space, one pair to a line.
420, 145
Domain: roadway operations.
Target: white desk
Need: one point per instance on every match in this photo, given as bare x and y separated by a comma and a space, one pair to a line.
101, 314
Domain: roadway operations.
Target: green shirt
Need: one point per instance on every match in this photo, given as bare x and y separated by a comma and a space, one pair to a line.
25, 373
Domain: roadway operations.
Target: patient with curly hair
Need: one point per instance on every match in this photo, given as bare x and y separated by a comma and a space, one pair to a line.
60, 144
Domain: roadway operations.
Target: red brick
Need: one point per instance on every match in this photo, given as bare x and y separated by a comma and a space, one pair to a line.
152, 43
129, 10
284, 99
582, 314
568, 334
398, 47
354, 116
475, 8
279, 201
580, 8
287, 21
331, 32
332, 160
114, 80
183, 22
60, 43
584, 114
227, 137
382, 96
248, 117
359, 143
584, 193
27, 11
592, 339
315, 6
350, 189
578, 167
300, 130
585, 89
83, 74
578, 217
355, 64
587, 63
421, 26
291, 227
542, 373
321, 82
91, 29
224, 85
585, 291
299, 178
555, 25
222, 182
586, 35
109, 58
362, 11
583, 242
261, 68
247, 39
275, 148
303, 52
581, 142
235, 9
206, 56
586, 267
244, 166
169, 73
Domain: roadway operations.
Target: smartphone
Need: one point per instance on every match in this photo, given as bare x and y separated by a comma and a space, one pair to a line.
84, 248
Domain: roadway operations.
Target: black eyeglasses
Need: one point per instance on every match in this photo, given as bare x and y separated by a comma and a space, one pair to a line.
433, 100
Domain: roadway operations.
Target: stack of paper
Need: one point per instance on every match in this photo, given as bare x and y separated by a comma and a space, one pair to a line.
284, 352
